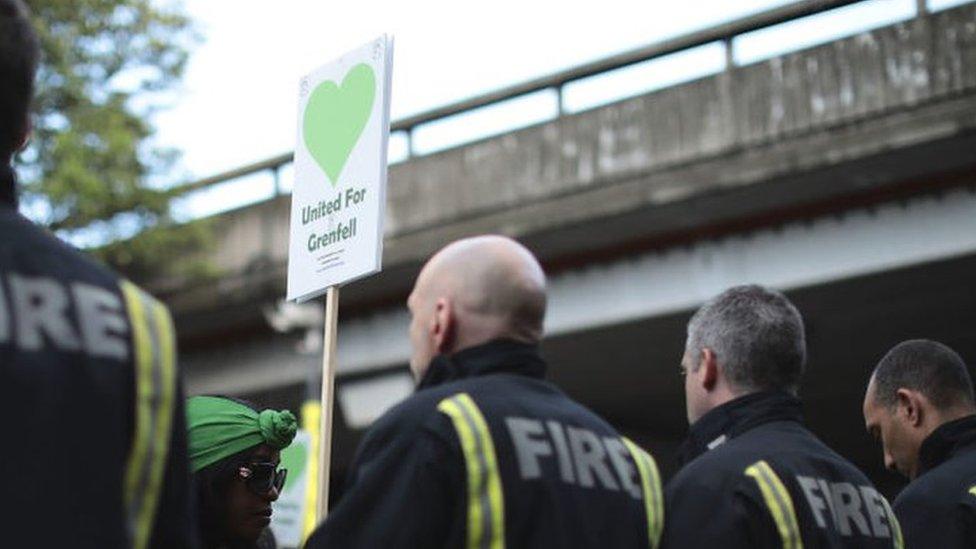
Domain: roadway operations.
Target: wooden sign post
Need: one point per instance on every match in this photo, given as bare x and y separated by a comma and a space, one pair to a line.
328, 399
339, 198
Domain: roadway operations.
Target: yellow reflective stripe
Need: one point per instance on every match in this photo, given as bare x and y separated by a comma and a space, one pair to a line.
495, 499
154, 345
972, 490
473, 467
142, 347
164, 421
779, 502
311, 414
898, 540
651, 486
486, 509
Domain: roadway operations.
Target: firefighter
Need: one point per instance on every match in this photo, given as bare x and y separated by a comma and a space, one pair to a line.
753, 475
919, 404
487, 453
94, 452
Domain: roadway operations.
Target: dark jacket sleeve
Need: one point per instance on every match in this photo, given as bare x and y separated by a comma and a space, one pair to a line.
967, 520
403, 492
702, 514
927, 522
176, 521
914, 519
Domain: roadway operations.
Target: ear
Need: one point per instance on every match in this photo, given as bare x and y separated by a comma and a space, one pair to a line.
23, 141
25, 136
709, 369
909, 406
443, 326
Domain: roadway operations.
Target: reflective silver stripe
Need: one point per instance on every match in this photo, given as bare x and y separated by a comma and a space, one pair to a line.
483, 488
657, 496
779, 503
897, 541
154, 351
485, 518
651, 489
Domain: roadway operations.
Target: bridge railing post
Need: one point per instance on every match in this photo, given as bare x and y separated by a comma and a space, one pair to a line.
276, 178
724, 33
729, 44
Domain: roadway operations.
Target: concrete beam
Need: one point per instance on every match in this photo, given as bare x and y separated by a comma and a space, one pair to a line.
895, 235
862, 113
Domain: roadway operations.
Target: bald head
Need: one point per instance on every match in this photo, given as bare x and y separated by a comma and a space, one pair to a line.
492, 277
476, 290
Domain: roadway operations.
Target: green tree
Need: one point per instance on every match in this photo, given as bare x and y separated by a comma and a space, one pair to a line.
91, 166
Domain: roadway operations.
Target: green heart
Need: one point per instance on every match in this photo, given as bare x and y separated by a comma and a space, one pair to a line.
336, 116
294, 458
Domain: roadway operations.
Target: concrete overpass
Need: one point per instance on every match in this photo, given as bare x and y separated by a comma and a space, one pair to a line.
844, 174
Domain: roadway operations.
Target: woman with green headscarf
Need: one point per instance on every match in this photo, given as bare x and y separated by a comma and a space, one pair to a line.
235, 451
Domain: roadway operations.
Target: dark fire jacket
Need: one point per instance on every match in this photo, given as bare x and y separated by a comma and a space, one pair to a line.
94, 436
755, 477
938, 509
487, 454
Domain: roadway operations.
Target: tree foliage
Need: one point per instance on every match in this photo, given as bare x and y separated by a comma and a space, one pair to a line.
92, 164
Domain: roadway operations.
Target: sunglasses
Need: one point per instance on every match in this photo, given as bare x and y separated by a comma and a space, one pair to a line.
260, 478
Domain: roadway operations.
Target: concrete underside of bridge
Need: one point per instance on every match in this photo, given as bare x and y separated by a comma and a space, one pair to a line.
628, 372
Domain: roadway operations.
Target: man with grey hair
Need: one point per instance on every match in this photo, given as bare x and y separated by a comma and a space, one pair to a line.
753, 475
487, 453
919, 405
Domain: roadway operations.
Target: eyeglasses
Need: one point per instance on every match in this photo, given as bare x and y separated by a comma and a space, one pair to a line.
260, 478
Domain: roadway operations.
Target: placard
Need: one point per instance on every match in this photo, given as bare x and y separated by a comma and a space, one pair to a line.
339, 196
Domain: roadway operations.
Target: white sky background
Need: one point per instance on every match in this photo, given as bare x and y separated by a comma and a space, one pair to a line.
238, 100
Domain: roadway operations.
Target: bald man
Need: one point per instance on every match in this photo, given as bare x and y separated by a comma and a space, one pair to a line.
487, 453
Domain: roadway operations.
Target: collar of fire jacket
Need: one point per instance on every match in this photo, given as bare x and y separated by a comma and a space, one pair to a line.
946, 441
737, 416
500, 356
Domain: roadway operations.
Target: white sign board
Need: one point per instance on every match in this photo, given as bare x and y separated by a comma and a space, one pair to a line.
288, 512
337, 204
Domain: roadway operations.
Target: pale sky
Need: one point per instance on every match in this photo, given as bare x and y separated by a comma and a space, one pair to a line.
237, 103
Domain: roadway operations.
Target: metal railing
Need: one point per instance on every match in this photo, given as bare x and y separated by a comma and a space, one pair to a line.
724, 33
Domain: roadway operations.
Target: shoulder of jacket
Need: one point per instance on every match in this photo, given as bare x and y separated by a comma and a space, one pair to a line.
967, 498
717, 470
417, 409
413, 409
921, 503
37, 241
942, 485
727, 464
954, 481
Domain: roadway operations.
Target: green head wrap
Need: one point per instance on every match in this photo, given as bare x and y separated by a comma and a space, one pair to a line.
220, 427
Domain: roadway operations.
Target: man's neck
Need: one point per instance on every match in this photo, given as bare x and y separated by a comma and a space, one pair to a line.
941, 417
954, 428
467, 341
958, 412
723, 394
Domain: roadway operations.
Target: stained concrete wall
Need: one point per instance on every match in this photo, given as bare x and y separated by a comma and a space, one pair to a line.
887, 94
839, 83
